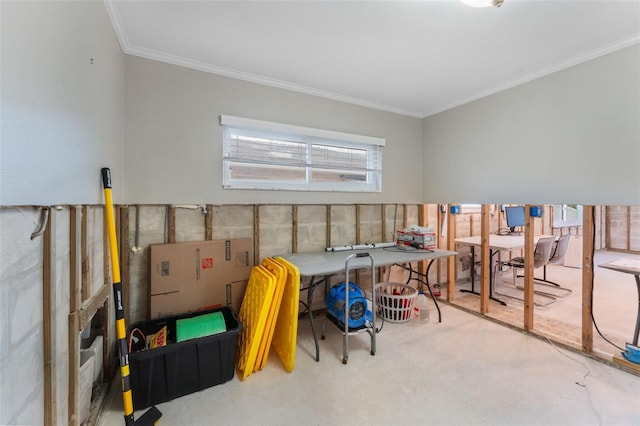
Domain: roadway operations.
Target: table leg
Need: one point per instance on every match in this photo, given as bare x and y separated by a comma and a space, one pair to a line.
491, 277
637, 330
312, 285
473, 274
426, 283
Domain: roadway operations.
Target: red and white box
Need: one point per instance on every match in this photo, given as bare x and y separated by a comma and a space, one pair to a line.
417, 236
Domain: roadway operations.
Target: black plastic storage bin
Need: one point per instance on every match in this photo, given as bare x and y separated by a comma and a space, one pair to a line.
177, 369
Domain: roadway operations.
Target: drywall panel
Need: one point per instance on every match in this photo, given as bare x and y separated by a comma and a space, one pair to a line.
312, 228
174, 141
62, 99
21, 356
276, 232
570, 137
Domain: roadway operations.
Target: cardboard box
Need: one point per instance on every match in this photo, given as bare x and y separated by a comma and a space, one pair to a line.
185, 301
187, 277
419, 237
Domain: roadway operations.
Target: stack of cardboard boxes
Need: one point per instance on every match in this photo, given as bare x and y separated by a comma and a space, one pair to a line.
192, 276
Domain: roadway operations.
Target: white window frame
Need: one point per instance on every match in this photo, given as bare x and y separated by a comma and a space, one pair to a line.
306, 138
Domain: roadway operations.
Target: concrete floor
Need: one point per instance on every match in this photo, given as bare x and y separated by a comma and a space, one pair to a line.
463, 371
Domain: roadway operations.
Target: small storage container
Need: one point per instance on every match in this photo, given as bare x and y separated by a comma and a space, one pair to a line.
177, 369
395, 301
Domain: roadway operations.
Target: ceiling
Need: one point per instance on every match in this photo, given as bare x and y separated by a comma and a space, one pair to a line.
415, 58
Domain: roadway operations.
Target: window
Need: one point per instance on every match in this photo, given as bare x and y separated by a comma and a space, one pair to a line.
264, 155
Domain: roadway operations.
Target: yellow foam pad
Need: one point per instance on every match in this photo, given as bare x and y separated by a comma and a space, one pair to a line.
285, 333
281, 276
253, 316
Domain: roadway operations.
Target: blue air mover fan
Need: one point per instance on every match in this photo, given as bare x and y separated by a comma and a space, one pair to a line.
358, 312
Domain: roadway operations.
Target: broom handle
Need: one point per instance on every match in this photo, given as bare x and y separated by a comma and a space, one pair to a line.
118, 302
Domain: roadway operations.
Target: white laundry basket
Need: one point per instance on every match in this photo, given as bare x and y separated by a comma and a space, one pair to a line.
395, 301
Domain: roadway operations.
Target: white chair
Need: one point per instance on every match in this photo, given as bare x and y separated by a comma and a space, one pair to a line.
541, 257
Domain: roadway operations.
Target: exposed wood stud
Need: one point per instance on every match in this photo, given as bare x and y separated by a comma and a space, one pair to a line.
451, 260
91, 306
171, 224
422, 221
328, 230
358, 239
607, 225
208, 223
48, 323
84, 249
529, 231
74, 369
471, 225
358, 228
383, 232
294, 228
587, 277
405, 216
628, 228
256, 234
485, 259
383, 219
73, 326
440, 241
74, 255
108, 349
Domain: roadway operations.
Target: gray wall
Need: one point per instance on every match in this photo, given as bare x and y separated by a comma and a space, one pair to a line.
173, 150
570, 137
62, 116
62, 119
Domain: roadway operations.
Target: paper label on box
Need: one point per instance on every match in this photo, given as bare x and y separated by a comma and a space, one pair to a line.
227, 250
207, 263
242, 259
164, 268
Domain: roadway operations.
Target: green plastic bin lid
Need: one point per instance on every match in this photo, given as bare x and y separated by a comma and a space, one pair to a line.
200, 326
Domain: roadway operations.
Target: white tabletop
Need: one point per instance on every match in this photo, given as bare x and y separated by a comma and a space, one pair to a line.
325, 263
629, 266
499, 242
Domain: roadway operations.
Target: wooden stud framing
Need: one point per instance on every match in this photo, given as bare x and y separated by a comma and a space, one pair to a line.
74, 369
405, 216
294, 228
607, 214
440, 241
358, 240
91, 306
451, 260
108, 349
529, 231
171, 224
358, 227
49, 323
208, 223
383, 219
628, 228
256, 234
328, 230
485, 259
84, 253
587, 277
422, 221
74, 323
